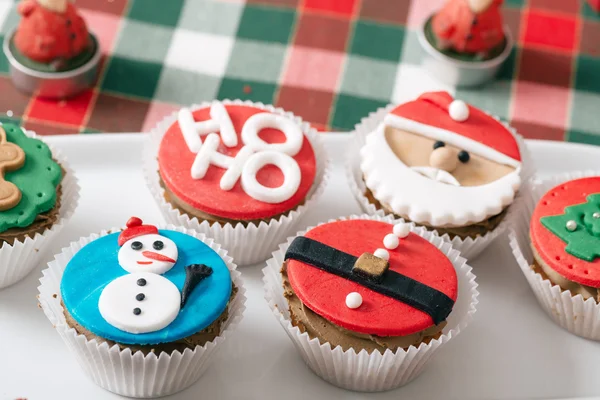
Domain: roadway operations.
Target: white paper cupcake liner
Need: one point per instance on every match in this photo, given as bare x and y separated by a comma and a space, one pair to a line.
578, 316
247, 244
18, 260
362, 371
469, 248
120, 371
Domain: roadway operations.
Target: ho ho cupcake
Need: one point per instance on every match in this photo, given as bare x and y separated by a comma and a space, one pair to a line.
556, 240
442, 164
38, 193
143, 309
367, 302
240, 172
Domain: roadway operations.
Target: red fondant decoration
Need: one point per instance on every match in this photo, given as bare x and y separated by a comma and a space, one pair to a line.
175, 161
44, 35
432, 109
458, 27
136, 228
550, 247
326, 293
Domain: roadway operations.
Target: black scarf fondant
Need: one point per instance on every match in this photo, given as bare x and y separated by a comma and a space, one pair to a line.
392, 284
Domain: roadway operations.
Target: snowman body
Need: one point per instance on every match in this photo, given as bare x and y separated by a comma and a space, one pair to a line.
143, 300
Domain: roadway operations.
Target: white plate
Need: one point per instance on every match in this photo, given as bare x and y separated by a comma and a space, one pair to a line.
510, 350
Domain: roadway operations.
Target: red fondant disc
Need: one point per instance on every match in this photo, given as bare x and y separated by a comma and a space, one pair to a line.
550, 247
325, 293
175, 161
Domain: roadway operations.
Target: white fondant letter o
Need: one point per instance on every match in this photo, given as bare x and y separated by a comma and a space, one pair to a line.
257, 122
288, 166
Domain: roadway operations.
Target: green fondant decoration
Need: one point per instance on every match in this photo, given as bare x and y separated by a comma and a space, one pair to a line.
37, 180
469, 57
584, 241
67, 65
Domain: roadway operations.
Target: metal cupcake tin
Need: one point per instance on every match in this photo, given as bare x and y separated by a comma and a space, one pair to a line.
52, 84
461, 73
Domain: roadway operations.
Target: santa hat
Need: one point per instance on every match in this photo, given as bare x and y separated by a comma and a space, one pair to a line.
135, 229
438, 116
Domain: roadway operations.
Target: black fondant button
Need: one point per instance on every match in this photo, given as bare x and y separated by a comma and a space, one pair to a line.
141, 282
137, 311
140, 296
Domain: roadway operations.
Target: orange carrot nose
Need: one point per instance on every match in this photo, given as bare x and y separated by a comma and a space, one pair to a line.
158, 257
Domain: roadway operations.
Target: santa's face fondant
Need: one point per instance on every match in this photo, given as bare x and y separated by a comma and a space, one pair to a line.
442, 162
148, 253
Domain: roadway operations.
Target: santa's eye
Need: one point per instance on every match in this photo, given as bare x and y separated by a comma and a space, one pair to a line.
463, 156
137, 245
158, 245
438, 144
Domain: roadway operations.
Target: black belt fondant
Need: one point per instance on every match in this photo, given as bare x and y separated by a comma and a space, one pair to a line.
394, 285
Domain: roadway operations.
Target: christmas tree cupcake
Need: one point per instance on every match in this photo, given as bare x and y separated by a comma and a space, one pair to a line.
558, 250
37, 195
164, 297
51, 52
466, 41
441, 163
370, 290
240, 172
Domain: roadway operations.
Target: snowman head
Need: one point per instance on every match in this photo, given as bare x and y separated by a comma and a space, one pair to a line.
144, 250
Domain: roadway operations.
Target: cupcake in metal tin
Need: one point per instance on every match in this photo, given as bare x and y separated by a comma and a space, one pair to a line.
466, 42
51, 52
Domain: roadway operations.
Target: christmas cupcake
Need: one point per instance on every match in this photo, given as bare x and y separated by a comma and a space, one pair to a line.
242, 173
37, 195
466, 42
358, 296
160, 299
558, 249
51, 52
440, 163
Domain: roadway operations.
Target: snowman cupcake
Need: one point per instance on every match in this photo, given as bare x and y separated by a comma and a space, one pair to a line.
156, 295
441, 163
38, 193
240, 172
367, 301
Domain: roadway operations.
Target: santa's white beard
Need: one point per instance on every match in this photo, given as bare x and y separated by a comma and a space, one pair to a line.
427, 201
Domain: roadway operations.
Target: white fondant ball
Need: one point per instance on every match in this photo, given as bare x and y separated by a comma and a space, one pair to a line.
401, 230
571, 225
382, 253
390, 241
353, 300
458, 110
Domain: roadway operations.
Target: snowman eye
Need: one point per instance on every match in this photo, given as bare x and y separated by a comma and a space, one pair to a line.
137, 245
158, 245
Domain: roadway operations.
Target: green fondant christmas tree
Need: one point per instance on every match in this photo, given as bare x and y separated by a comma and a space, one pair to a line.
579, 227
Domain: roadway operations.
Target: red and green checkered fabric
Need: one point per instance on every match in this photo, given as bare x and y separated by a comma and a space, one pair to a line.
329, 61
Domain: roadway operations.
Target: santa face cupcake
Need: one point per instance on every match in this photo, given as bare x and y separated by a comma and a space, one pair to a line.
443, 164
227, 168
365, 286
37, 195
159, 293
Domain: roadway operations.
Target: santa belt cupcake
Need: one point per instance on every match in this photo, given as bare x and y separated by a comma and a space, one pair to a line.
165, 294
440, 163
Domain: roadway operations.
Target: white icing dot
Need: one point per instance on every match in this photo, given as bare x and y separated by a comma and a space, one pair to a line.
401, 230
353, 300
382, 253
9, 113
571, 225
390, 241
596, 215
458, 110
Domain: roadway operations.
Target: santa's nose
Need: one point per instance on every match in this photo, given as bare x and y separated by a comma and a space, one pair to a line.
443, 158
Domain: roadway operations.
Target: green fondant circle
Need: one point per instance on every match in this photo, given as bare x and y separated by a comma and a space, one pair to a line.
37, 180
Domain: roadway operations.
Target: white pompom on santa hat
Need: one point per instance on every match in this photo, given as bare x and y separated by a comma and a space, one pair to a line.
438, 116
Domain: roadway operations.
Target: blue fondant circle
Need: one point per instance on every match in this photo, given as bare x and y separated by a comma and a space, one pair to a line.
96, 265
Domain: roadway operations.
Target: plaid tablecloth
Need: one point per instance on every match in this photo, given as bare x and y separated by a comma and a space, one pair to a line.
329, 61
